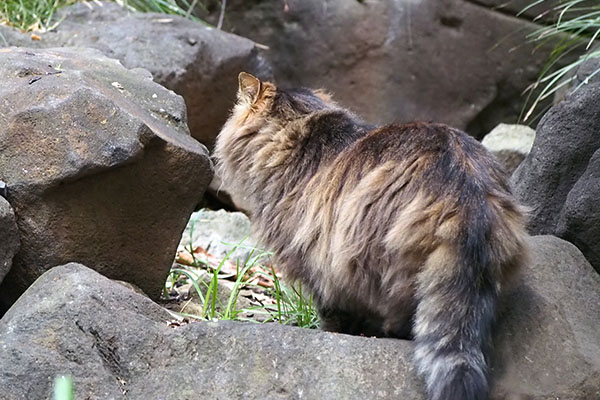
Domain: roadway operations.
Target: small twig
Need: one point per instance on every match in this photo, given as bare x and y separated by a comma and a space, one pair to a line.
186, 304
262, 46
222, 15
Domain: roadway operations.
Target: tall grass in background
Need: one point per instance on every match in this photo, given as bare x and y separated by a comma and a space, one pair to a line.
31, 15
575, 26
39, 15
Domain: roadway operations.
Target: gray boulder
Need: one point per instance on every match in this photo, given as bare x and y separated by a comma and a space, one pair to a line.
218, 232
559, 178
194, 60
10, 36
548, 341
112, 340
221, 195
451, 61
579, 219
9, 237
99, 164
510, 144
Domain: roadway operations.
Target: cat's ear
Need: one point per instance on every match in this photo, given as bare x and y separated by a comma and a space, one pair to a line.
250, 87
323, 95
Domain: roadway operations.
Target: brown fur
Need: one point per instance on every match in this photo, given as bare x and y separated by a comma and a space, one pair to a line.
398, 231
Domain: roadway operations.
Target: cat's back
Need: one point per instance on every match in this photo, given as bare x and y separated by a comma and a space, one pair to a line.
431, 155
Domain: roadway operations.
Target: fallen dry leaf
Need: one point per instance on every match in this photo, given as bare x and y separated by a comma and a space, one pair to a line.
228, 268
185, 258
203, 259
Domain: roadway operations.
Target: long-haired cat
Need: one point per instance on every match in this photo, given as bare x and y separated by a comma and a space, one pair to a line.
398, 231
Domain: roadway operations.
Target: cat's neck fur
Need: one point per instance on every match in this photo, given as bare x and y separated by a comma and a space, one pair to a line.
316, 139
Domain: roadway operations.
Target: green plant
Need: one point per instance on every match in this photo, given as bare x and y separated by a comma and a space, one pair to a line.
290, 304
576, 25
63, 388
182, 7
39, 15
209, 296
31, 15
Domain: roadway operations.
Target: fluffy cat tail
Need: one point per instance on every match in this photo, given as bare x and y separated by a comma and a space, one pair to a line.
457, 296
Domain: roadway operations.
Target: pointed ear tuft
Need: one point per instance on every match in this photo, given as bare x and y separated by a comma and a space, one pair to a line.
250, 86
323, 95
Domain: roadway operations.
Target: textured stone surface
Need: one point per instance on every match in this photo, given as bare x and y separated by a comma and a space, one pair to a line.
220, 195
10, 36
9, 237
579, 220
196, 61
450, 61
510, 144
73, 320
548, 341
99, 164
560, 162
111, 339
211, 230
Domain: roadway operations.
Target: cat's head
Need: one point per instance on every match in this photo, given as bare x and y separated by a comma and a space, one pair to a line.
256, 96
260, 122
261, 110
260, 104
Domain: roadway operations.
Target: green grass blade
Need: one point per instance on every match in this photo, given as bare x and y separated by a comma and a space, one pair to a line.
63, 388
194, 279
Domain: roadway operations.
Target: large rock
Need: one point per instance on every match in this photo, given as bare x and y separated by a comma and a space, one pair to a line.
579, 220
510, 144
10, 36
548, 336
218, 195
72, 320
219, 232
99, 165
194, 60
9, 237
451, 61
559, 179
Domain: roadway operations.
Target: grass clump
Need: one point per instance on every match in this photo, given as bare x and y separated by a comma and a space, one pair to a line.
31, 15
575, 26
207, 290
183, 8
277, 300
39, 15
292, 306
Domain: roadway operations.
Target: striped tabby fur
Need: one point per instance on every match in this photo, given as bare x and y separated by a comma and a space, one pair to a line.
406, 231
